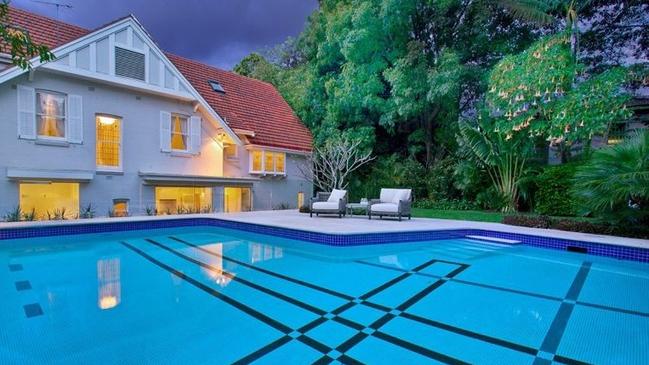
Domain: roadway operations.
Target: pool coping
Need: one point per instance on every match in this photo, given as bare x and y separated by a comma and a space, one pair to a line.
22, 230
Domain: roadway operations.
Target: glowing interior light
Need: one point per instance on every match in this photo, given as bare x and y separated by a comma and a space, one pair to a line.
106, 120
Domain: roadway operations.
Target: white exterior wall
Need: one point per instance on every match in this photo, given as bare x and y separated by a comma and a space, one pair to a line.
141, 152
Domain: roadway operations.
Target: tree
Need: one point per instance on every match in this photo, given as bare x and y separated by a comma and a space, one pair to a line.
614, 182
544, 92
330, 165
256, 66
19, 43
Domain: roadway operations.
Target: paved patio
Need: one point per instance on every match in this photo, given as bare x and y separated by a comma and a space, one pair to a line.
356, 224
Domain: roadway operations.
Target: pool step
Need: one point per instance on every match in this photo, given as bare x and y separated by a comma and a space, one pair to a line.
493, 239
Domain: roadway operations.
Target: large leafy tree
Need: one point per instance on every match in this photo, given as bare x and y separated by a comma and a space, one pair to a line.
544, 92
18, 43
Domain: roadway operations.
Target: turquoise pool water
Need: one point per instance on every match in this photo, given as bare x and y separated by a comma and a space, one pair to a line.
216, 296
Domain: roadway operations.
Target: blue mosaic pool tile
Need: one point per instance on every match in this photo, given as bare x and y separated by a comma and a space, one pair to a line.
598, 249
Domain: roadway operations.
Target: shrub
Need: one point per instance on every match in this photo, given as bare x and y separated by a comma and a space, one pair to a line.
534, 221
444, 204
614, 183
575, 225
490, 199
87, 212
553, 196
30, 216
282, 206
57, 215
14, 215
305, 209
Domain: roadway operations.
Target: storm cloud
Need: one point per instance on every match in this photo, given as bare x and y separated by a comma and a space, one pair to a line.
217, 32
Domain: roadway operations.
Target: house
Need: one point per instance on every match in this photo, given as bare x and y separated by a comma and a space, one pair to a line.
118, 124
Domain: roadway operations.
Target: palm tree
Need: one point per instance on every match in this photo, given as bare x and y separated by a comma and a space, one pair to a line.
504, 159
614, 183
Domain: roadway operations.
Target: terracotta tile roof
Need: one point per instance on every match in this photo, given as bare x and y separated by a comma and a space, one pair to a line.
44, 30
247, 103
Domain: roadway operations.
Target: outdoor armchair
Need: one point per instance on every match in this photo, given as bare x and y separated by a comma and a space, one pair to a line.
329, 203
392, 203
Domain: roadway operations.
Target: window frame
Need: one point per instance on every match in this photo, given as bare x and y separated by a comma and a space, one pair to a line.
188, 134
104, 168
65, 116
263, 170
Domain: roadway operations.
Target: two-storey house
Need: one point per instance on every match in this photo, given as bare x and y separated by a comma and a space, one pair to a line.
118, 124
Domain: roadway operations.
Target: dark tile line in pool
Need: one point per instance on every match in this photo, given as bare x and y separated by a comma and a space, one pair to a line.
550, 343
599, 249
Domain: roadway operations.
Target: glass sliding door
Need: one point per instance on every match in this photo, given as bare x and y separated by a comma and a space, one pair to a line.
175, 200
237, 200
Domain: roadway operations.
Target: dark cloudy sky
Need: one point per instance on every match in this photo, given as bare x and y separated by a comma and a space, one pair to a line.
217, 32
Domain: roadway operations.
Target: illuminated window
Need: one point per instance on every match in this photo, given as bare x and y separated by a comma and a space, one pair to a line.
120, 208
230, 151
50, 114
267, 162
256, 163
109, 138
236, 200
179, 132
279, 162
178, 200
300, 200
50, 200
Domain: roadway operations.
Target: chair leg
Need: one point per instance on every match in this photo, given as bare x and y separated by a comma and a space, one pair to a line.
311, 214
409, 216
399, 217
369, 215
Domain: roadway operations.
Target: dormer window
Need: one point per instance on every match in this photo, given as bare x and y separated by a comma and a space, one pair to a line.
216, 86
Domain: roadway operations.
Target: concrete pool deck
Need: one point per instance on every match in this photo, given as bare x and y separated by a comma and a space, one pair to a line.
292, 219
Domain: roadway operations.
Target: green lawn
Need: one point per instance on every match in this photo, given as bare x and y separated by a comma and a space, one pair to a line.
466, 215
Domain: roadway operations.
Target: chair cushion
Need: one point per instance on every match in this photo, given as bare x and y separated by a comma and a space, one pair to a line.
387, 195
394, 195
336, 195
385, 208
401, 194
325, 206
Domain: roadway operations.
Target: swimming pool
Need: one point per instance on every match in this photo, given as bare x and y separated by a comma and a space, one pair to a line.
214, 295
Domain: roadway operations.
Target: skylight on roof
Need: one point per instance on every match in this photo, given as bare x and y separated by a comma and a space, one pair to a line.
216, 86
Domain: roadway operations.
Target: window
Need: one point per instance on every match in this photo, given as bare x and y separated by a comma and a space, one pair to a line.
50, 200
256, 163
230, 151
109, 138
120, 208
179, 132
176, 200
50, 114
236, 200
300, 200
267, 162
216, 86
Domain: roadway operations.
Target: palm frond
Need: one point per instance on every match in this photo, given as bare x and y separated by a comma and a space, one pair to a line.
530, 10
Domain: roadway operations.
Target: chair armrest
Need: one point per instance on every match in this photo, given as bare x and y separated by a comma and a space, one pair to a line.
342, 204
404, 206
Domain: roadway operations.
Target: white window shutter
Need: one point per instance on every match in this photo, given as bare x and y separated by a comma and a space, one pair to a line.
165, 131
195, 137
26, 112
75, 119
